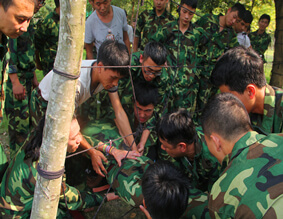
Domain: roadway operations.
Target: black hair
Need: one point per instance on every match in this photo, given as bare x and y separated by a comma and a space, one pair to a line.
33, 146
248, 18
177, 127
192, 3
146, 93
7, 3
238, 68
225, 115
240, 8
166, 190
265, 16
156, 51
113, 53
57, 3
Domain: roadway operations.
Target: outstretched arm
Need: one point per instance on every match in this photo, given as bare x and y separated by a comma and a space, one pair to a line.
122, 120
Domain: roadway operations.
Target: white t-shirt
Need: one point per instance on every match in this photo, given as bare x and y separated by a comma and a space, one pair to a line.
244, 39
131, 34
96, 31
83, 91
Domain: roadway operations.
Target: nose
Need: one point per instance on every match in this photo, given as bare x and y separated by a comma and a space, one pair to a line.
141, 113
24, 26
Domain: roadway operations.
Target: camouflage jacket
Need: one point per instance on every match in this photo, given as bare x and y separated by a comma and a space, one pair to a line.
46, 40
251, 185
149, 23
272, 119
22, 50
219, 42
205, 169
17, 190
4, 56
260, 42
184, 58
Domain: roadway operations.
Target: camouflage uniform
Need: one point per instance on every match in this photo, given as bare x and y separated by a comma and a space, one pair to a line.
260, 42
219, 42
127, 179
197, 205
185, 55
272, 119
22, 62
149, 23
17, 190
4, 55
251, 185
46, 41
205, 169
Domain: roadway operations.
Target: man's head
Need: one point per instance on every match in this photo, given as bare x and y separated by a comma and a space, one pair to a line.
75, 137
176, 132
186, 11
224, 121
112, 53
154, 56
15, 16
243, 25
146, 99
263, 22
102, 7
240, 72
160, 5
234, 13
165, 190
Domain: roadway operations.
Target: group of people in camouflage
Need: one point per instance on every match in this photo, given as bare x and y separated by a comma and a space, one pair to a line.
193, 153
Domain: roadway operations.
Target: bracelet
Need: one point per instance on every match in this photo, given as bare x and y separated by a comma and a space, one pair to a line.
108, 148
104, 148
111, 149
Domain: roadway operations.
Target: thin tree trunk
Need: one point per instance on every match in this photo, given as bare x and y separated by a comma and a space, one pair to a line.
60, 107
277, 68
133, 11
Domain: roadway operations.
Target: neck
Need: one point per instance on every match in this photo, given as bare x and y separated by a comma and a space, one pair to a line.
260, 31
259, 101
159, 13
191, 152
183, 28
222, 23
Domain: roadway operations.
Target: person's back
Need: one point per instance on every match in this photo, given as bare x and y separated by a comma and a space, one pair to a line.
251, 184
46, 39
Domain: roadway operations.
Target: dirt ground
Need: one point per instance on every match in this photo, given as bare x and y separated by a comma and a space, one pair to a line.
109, 210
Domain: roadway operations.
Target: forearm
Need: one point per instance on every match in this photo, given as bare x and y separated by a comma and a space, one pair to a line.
144, 136
84, 145
89, 50
125, 128
127, 41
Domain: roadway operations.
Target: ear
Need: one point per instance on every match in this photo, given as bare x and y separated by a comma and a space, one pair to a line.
141, 58
215, 138
183, 146
251, 90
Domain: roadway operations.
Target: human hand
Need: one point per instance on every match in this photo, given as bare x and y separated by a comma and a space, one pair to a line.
140, 148
96, 160
111, 196
119, 155
19, 91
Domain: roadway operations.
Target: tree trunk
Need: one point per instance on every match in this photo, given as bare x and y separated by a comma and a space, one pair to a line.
133, 11
60, 107
277, 68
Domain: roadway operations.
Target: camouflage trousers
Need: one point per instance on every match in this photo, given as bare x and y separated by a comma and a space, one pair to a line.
38, 107
18, 115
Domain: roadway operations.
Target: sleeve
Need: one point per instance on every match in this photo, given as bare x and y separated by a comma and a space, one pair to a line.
77, 200
13, 56
140, 25
125, 23
89, 38
39, 36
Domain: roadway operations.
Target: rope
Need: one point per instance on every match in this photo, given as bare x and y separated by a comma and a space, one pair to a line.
49, 174
66, 75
